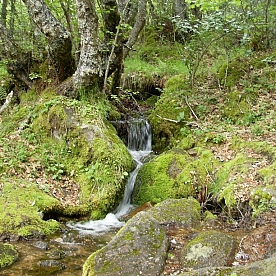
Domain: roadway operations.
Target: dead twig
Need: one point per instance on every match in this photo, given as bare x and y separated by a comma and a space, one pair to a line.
194, 114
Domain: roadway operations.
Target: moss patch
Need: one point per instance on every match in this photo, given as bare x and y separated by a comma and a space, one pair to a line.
22, 206
8, 254
168, 107
174, 174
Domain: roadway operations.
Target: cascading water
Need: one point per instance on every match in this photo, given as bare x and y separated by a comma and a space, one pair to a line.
139, 146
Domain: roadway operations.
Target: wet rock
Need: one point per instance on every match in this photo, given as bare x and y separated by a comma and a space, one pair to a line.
182, 212
52, 264
56, 254
8, 254
42, 245
265, 267
210, 248
139, 248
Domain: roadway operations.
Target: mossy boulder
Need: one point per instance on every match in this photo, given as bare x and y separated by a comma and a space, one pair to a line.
265, 267
164, 117
98, 156
181, 212
8, 254
22, 205
176, 173
210, 248
59, 157
139, 248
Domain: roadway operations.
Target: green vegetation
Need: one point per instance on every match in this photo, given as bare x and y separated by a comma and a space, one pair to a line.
8, 254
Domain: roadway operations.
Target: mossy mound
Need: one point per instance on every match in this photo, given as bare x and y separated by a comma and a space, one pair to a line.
210, 248
8, 254
22, 205
59, 157
139, 248
239, 107
164, 118
195, 168
176, 173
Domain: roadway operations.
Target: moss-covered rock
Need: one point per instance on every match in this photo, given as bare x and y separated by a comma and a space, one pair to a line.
139, 248
58, 157
8, 254
230, 72
174, 174
22, 205
261, 268
182, 212
210, 248
167, 110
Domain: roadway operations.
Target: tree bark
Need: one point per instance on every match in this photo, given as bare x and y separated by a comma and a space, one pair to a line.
58, 38
138, 26
4, 11
89, 72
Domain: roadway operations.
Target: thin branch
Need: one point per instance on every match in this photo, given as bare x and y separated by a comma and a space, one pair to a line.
113, 47
186, 100
194, 124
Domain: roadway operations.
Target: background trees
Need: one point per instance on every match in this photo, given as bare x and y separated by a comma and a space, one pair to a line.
88, 40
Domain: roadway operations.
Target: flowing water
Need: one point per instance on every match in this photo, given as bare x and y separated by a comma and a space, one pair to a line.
139, 146
64, 254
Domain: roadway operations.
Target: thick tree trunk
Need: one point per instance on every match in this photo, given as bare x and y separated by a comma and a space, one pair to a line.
60, 45
180, 9
89, 73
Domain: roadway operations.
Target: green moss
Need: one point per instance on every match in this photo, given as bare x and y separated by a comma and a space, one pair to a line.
21, 206
238, 107
230, 73
261, 200
169, 107
209, 216
174, 174
8, 254
268, 173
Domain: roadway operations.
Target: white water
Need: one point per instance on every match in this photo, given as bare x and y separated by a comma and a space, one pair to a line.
139, 145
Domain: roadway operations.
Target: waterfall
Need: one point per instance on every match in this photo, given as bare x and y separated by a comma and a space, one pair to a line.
138, 132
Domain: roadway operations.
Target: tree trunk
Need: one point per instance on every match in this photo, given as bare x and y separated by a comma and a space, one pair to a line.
138, 26
89, 73
4, 11
180, 9
60, 45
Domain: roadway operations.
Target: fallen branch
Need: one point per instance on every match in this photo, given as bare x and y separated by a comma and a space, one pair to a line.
7, 102
195, 124
186, 100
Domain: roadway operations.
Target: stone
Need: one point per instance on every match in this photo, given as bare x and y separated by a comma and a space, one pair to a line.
181, 212
139, 248
209, 249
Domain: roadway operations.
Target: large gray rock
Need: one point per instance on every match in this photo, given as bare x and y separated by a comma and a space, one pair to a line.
209, 249
139, 248
265, 267
181, 212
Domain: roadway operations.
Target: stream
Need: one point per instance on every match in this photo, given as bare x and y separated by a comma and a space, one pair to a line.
65, 253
